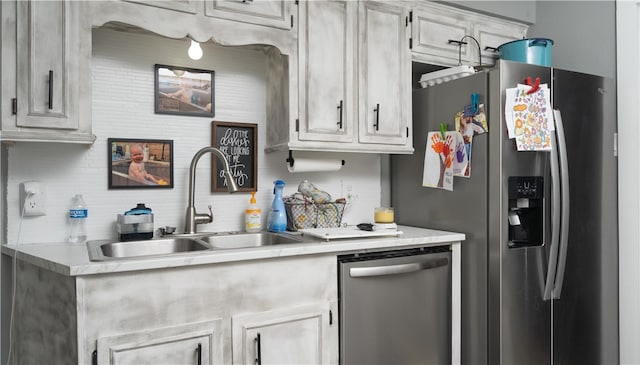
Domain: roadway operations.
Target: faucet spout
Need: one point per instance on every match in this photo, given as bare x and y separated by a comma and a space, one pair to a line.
192, 217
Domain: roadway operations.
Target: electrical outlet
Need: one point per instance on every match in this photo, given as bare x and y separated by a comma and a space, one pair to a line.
32, 199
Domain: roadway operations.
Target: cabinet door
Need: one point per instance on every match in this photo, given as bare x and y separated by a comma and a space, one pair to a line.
493, 34
431, 31
385, 74
47, 64
273, 13
194, 343
328, 110
300, 335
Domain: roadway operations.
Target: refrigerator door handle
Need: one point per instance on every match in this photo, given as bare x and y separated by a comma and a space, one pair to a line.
564, 218
555, 221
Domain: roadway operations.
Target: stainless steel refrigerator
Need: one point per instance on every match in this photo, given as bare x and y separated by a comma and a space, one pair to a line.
541, 288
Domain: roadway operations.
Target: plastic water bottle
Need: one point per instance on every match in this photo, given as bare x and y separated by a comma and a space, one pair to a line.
77, 218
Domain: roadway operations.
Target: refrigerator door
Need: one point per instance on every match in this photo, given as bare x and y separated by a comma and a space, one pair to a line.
462, 210
586, 313
519, 318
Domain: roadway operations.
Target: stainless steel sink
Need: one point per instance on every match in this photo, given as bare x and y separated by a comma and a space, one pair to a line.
105, 250
112, 250
243, 239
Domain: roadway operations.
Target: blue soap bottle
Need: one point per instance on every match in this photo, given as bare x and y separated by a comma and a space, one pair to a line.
277, 220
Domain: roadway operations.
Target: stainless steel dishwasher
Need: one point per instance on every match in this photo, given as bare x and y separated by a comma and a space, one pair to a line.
395, 307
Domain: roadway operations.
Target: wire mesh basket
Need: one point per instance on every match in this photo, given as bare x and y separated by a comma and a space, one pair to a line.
313, 215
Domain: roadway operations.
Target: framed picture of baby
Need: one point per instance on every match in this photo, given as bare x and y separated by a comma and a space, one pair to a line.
184, 91
140, 163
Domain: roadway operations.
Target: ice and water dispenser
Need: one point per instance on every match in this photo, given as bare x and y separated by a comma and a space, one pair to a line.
526, 211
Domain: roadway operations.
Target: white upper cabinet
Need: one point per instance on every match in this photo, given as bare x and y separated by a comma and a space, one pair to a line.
327, 64
226, 22
385, 76
493, 34
353, 80
443, 35
435, 34
338, 71
273, 13
52, 99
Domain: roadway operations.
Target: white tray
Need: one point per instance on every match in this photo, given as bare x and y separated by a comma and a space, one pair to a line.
347, 232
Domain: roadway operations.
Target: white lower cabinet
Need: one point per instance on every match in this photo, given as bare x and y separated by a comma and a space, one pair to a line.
299, 335
194, 314
193, 343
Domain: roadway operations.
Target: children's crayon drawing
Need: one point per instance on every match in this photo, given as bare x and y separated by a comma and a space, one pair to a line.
529, 118
469, 124
443, 158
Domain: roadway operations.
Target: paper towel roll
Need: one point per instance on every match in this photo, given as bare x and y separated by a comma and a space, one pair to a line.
302, 164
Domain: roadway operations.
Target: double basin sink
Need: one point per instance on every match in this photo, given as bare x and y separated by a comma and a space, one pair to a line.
109, 250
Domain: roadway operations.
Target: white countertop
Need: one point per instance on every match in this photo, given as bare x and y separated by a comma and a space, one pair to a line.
73, 259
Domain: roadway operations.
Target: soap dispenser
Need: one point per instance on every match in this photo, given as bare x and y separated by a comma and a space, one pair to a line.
252, 219
277, 220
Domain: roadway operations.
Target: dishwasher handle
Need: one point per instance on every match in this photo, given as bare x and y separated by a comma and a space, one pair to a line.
359, 272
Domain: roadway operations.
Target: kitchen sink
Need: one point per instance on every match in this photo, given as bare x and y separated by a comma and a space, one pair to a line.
104, 250
243, 239
110, 250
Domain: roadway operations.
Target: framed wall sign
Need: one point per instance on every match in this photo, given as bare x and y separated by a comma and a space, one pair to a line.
140, 163
184, 91
238, 142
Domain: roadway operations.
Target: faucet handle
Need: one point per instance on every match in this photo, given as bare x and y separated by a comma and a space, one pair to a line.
200, 218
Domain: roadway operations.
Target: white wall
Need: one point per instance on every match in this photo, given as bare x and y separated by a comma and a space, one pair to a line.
628, 40
123, 107
583, 32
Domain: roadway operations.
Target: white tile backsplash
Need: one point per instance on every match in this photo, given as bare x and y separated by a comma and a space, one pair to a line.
123, 107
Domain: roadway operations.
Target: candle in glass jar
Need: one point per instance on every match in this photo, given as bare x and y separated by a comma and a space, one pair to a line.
383, 215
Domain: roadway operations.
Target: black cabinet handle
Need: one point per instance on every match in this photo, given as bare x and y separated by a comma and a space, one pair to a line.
258, 350
376, 110
199, 352
453, 41
50, 89
340, 114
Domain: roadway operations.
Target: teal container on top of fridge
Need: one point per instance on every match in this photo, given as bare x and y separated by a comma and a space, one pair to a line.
535, 51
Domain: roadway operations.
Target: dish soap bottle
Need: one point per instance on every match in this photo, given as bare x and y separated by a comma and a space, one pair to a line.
252, 216
277, 220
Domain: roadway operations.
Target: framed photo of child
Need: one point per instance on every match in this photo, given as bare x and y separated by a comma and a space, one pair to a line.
184, 91
140, 163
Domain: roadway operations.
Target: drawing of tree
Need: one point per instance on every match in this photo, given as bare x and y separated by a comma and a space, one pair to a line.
444, 150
